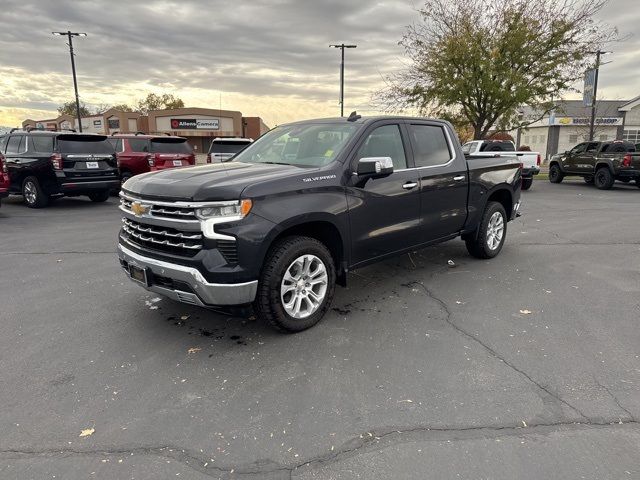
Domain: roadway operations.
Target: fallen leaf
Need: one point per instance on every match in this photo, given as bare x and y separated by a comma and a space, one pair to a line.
451, 263
524, 423
526, 312
184, 317
405, 401
193, 350
87, 432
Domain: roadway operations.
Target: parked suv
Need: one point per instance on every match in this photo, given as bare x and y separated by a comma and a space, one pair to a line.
139, 153
46, 165
223, 149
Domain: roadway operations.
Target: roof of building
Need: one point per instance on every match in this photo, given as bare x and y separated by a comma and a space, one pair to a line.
576, 108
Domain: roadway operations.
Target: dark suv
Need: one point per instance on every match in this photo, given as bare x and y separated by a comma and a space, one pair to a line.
46, 165
139, 153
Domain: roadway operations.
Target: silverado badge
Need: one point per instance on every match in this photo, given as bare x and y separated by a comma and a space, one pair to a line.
139, 209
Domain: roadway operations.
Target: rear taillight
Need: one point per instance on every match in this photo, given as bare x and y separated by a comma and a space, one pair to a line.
538, 160
56, 161
151, 160
208, 158
626, 161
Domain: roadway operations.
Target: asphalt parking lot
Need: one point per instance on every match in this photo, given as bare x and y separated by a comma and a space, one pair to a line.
422, 370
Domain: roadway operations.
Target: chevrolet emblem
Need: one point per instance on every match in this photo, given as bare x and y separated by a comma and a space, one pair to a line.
139, 209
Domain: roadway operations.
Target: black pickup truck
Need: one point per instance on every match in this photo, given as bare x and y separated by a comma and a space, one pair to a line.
599, 163
289, 216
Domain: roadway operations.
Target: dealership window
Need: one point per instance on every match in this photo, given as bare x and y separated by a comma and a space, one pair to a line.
573, 138
632, 136
603, 138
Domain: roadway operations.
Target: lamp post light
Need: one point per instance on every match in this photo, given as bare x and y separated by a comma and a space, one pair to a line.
69, 34
342, 46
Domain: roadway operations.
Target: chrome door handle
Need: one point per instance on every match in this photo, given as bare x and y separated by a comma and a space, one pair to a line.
409, 185
458, 178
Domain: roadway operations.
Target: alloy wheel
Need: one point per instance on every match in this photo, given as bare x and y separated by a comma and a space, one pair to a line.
495, 230
304, 286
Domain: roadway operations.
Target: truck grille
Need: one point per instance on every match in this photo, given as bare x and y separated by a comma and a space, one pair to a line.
164, 211
165, 239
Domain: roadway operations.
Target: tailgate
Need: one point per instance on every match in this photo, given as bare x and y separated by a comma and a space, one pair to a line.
528, 159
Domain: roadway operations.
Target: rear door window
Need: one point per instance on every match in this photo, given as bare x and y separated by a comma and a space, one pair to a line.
430, 145
117, 143
42, 143
139, 144
85, 144
16, 144
170, 145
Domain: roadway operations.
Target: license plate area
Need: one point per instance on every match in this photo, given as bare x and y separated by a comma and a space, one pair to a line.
177, 163
138, 274
93, 165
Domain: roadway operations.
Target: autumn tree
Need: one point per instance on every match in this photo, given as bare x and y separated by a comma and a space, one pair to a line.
158, 102
479, 60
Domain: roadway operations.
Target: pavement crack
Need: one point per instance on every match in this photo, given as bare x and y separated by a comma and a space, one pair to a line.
491, 351
615, 399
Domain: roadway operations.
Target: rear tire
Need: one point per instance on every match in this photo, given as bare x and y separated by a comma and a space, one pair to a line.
603, 178
297, 272
32, 193
101, 196
492, 232
526, 183
555, 174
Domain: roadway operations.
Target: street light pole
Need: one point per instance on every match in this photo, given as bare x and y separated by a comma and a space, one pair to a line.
592, 123
342, 46
69, 34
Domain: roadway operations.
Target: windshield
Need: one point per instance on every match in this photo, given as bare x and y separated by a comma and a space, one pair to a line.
307, 145
85, 144
170, 145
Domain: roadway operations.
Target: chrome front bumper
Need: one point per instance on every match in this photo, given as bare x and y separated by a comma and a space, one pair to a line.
203, 293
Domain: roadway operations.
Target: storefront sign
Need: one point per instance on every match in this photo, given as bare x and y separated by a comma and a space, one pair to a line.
194, 124
582, 121
97, 123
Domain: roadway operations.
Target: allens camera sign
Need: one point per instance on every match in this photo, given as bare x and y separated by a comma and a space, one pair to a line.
194, 124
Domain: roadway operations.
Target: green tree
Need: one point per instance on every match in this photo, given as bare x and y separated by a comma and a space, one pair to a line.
69, 108
480, 60
158, 102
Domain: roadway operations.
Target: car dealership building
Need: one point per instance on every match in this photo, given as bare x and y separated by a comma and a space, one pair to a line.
568, 125
198, 125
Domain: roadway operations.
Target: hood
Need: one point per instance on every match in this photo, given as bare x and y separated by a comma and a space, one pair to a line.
216, 181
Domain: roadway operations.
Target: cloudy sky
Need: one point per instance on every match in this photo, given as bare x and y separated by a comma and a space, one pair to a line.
267, 58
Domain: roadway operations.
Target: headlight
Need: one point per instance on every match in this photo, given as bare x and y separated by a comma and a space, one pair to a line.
225, 209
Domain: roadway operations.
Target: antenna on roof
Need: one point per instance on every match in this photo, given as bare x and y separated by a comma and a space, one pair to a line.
353, 117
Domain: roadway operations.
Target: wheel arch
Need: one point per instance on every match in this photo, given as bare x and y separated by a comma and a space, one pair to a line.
323, 227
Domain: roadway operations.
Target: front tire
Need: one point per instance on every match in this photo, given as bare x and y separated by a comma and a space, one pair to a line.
101, 196
603, 179
492, 233
526, 183
32, 193
555, 174
296, 284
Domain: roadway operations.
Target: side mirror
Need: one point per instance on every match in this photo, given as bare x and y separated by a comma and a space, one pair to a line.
375, 166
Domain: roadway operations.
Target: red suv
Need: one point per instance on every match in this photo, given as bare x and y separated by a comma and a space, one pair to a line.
139, 153
4, 178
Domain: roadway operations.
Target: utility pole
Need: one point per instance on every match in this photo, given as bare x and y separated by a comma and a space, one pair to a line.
592, 123
342, 46
69, 34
